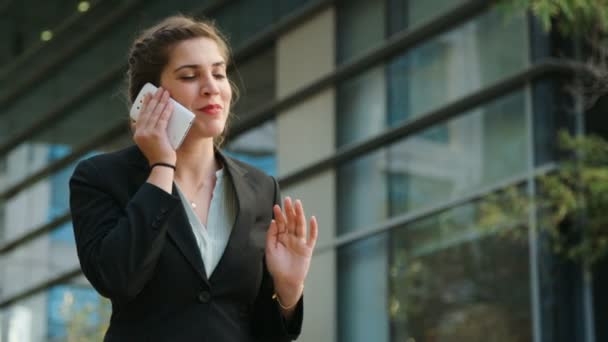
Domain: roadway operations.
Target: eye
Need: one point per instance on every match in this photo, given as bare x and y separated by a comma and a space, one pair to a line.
219, 76
187, 77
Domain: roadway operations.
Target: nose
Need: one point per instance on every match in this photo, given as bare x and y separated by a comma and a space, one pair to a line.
210, 86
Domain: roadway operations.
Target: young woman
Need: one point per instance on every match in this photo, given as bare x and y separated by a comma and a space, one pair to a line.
189, 244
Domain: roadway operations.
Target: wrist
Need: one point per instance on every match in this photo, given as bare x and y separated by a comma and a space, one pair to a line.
163, 159
288, 296
162, 177
162, 164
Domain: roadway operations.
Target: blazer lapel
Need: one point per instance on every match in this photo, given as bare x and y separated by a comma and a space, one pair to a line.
180, 231
239, 235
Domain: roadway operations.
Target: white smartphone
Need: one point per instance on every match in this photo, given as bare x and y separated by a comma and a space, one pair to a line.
179, 123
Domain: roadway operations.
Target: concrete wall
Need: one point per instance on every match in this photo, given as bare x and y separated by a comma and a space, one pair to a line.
306, 134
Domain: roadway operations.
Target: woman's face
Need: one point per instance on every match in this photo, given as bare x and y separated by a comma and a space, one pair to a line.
195, 76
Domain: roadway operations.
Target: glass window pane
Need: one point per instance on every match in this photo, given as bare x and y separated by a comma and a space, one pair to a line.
257, 83
455, 64
405, 14
363, 285
430, 76
451, 282
441, 278
255, 78
363, 25
47, 199
80, 125
360, 27
256, 147
242, 20
361, 106
288, 6
484, 146
38, 260
71, 311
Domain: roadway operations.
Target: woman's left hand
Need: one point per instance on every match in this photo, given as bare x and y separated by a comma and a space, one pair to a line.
289, 251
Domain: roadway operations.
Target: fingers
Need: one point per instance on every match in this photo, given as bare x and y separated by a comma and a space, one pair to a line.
314, 233
145, 117
153, 108
300, 220
164, 117
293, 221
159, 109
271, 236
280, 219
290, 213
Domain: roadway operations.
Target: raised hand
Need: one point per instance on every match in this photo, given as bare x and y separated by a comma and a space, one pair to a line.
289, 250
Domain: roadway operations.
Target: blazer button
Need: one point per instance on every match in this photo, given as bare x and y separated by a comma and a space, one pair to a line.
204, 297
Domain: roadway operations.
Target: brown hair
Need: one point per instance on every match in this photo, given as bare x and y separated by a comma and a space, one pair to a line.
149, 53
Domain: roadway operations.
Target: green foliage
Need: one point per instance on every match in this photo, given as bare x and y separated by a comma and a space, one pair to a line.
571, 203
87, 323
570, 16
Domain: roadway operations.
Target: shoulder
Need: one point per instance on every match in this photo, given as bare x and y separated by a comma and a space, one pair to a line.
242, 168
258, 178
126, 157
120, 159
117, 164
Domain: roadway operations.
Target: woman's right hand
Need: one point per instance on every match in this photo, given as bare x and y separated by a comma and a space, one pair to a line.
151, 128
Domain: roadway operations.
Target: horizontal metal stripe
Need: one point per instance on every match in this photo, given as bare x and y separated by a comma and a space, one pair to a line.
407, 218
60, 163
62, 109
352, 151
34, 233
35, 49
73, 49
267, 37
52, 66
393, 46
416, 125
117, 73
58, 280
341, 241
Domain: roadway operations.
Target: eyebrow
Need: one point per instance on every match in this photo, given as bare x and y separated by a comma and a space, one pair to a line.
196, 66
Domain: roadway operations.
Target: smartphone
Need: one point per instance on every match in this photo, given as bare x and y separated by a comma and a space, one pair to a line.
179, 123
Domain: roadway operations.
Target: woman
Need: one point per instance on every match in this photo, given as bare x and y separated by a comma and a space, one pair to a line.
183, 241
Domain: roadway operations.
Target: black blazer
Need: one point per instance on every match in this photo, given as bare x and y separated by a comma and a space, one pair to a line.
137, 248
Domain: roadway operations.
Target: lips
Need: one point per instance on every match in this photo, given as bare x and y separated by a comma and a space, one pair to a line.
212, 109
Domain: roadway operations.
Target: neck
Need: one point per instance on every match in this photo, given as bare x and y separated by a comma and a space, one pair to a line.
196, 163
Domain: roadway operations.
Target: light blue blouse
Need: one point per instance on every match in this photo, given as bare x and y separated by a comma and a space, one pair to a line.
212, 240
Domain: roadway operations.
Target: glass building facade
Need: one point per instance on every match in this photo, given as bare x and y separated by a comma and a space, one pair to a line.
390, 119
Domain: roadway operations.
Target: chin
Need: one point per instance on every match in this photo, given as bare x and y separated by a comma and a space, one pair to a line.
208, 130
